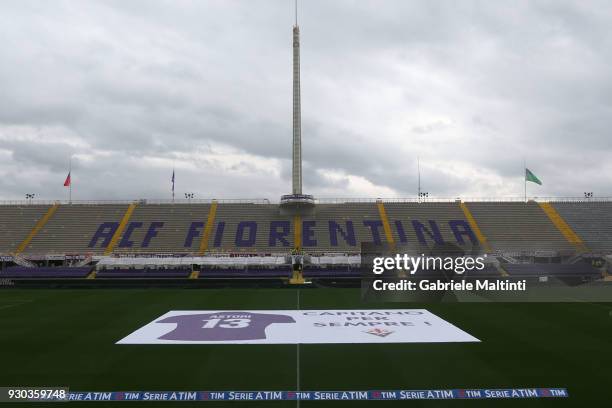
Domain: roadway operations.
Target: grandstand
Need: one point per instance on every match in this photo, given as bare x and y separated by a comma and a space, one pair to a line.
258, 228
259, 236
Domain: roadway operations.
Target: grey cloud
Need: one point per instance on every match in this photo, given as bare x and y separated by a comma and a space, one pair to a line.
53, 157
518, 80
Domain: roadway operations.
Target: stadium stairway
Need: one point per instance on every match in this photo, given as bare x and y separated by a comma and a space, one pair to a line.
563, 227
72, 227
518, 227
16, 223
382, 212
297, 232
210, 223
174, 219
39, 225
592, 222
124, 221
474, 225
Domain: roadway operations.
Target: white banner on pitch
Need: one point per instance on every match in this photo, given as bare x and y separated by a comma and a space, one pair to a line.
297, 326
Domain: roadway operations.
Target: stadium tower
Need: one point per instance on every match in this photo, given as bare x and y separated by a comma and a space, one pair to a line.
297, 201
297, 116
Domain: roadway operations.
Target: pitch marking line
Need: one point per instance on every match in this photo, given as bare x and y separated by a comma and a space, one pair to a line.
15, 304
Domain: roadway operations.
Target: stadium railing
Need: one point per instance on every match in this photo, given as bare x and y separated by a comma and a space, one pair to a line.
317, 200
139, 201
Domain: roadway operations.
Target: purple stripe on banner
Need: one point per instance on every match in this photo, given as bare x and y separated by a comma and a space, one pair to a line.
483, 393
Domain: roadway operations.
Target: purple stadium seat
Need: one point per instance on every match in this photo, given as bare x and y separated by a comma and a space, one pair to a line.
331, 272
244, 273
176, 273
17, 272
581, 269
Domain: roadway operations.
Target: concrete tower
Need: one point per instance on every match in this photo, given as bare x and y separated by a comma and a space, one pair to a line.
297, 202
297, 114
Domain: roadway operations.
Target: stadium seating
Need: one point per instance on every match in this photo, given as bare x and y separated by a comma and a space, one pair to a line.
250, 215
45, 272
581, 269
592, 222
247, 228
16, 222
176, 221
442, 213
517, 226
213, 272
176, 273
489, 271
356, 213
71, 229
331, 271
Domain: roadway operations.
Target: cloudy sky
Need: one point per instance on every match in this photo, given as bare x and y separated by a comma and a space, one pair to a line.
131, 89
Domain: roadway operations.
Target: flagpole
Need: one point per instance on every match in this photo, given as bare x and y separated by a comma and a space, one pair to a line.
525, 178
70, 185
418, 179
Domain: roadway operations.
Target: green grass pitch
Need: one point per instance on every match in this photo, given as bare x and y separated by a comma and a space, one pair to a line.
67, 338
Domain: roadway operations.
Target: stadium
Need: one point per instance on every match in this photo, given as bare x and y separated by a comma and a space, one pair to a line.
83, 283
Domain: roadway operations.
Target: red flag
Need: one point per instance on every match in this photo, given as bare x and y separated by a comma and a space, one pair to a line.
67, 182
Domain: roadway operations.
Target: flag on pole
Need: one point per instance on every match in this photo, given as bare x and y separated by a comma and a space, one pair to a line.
529, 176
68, 181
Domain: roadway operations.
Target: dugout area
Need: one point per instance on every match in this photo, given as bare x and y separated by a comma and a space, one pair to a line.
66, 337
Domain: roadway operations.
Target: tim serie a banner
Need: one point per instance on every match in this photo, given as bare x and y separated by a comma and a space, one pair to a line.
297, 326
